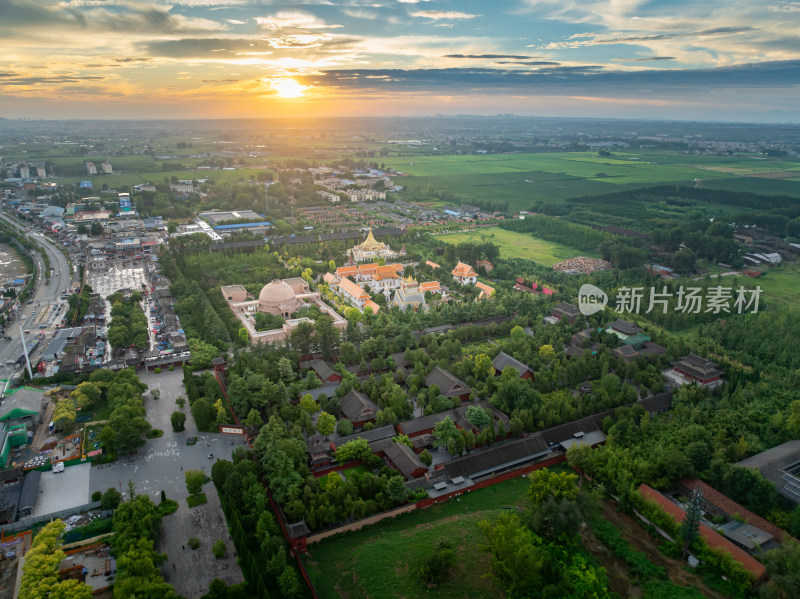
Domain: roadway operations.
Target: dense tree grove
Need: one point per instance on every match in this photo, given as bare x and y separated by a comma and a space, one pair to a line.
128, 328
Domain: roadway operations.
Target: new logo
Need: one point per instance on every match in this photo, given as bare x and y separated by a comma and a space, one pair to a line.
591, 299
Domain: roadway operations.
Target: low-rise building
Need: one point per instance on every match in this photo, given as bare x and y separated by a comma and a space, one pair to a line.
700, 370
503, 360
464, 274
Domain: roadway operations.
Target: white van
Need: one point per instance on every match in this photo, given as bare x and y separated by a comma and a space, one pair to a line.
58, 467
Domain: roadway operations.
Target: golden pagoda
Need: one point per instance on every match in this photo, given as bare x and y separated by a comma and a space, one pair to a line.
371, 249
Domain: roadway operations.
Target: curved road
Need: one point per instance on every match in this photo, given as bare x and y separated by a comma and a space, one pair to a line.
46, 302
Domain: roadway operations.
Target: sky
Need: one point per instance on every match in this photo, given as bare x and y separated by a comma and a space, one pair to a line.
736, 60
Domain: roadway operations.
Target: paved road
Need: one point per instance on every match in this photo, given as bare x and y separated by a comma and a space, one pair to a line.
46, 298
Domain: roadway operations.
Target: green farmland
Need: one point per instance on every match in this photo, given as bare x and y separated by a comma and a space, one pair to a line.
523, 179
518, 245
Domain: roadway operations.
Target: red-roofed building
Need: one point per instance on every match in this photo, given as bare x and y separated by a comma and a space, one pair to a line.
713, 539
464, 274
486, 291
352, 293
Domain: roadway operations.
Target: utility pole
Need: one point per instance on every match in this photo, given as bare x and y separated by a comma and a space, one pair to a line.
25, 351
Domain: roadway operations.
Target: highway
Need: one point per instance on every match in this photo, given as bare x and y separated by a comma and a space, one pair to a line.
46, 310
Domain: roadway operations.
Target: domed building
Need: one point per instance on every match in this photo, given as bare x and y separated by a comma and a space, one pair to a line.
282, 298
278, 298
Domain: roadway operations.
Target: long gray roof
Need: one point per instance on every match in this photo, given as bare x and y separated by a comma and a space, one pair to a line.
503, 360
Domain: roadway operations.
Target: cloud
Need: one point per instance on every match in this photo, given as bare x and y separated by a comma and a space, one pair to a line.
295, 19
571, 79
644, 59
487, 56
139, 18
529, 63
438, 15
596, 39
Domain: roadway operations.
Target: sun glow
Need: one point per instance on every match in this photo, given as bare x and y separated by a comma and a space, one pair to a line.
288, 88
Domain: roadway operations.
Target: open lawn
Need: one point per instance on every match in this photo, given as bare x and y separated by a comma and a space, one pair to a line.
380, 561
518, 245
781, 283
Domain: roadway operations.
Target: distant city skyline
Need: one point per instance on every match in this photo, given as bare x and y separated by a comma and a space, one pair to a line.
726, 60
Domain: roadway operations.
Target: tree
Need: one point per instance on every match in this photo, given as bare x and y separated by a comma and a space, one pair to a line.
357, 449
253, 420
684, 261
178, 420
308, 404
301, 338
286, 370
437, 564
195, 479
425, 457
482, 368
40, 574
327, 336
518, 560
96, 229
219, 549
344, 427
325, 424
204, 414
478, 416
783, 566
289, 583
221, 412
446, 435
110, 499
65, 413
547, 483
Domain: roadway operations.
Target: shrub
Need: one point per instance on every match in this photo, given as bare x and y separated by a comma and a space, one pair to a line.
155, 433
168, 506
438, 563
219, 549
195, 500
110, 499
178, 420
344, 427
171, 368
157, 370
181, 401
425, 457
193, 542
195, 479
97, 496
93, 529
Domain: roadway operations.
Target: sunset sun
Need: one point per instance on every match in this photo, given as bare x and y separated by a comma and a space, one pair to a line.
288, 88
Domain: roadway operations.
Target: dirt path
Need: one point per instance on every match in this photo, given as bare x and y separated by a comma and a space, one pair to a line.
633, 532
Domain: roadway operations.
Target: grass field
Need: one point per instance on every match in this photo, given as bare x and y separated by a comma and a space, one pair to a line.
781, 283
518, 245
523, 179
380, 561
